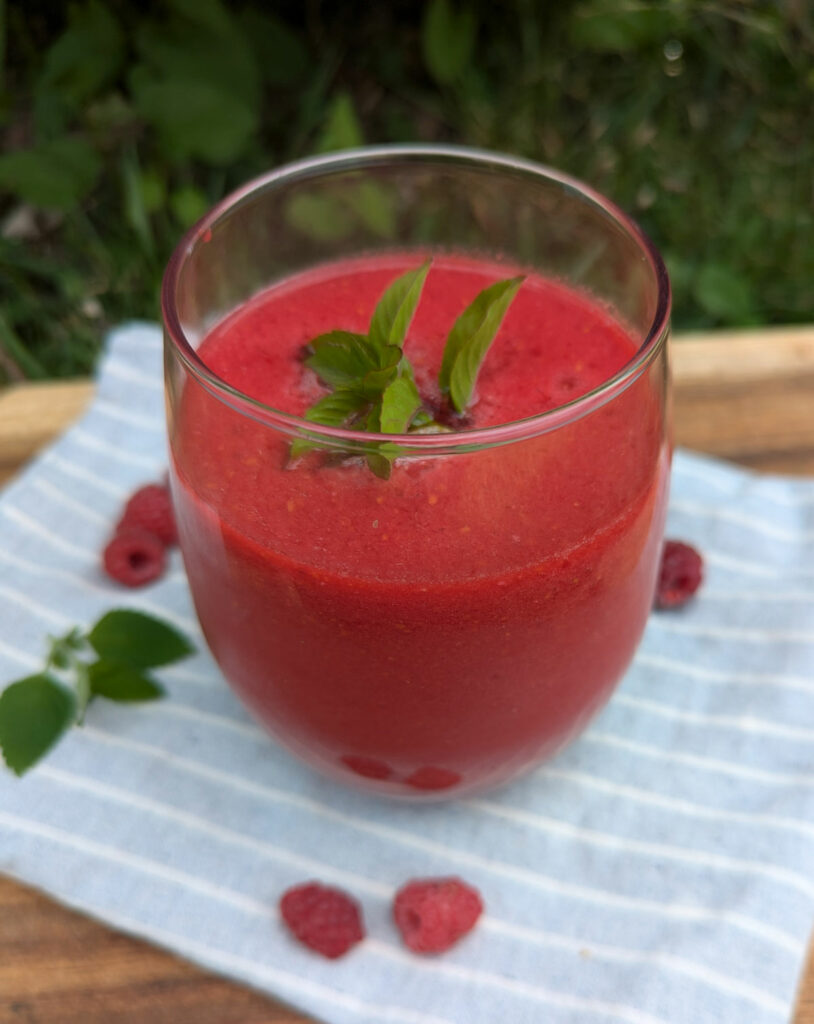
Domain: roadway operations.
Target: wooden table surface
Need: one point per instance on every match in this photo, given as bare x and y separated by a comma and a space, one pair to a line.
745, 396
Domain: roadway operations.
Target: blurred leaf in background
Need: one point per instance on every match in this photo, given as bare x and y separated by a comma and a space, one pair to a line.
56, 174
122, 122
447, 39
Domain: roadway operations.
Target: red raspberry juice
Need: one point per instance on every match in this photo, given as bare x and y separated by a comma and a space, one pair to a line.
447, 628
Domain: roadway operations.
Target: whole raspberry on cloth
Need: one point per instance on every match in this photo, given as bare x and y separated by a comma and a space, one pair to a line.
324, 919
136, 554
150, 507
134, 557
432, 914
680, 574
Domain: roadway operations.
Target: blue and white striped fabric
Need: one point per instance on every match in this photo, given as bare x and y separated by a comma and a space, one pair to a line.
658, 871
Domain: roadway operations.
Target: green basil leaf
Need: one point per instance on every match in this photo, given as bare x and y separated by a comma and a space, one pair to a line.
470, 338
122, 683
138, 640
394, 310
34, 713
400, 402
340, 358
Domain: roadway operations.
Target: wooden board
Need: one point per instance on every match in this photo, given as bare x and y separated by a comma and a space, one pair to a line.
746, 396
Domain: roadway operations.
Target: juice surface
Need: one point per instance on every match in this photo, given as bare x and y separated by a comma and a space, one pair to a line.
443, 629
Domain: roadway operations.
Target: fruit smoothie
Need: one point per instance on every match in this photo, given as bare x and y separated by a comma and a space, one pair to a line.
444, 629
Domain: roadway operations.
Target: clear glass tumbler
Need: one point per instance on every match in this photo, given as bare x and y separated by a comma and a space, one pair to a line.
441, 631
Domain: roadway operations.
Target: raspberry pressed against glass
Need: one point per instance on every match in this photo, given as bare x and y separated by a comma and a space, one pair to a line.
150, 507
134, 557
367, 767
432, 914
324, 919
430, 777
680, 575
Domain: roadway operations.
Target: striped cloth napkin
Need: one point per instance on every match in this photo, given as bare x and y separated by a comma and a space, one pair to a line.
658, 871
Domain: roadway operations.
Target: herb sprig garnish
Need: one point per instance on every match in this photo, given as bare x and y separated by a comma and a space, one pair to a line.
373, 388
111, 660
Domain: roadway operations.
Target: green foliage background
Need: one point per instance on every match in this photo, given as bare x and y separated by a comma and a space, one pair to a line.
123, 121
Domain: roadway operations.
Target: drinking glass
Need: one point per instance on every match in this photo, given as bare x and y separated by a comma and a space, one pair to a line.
483, 633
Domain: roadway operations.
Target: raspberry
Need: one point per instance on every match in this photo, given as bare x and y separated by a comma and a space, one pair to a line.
369, 767
134, 557
430, 777
680, 575
432, 914
326, 920
151, 509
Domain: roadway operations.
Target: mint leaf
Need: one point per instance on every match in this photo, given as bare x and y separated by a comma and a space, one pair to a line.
470, 338
400, 402
376, 460
423, 423
82, 690
394, 310
34, 713
74, 639
60, 656
374, 387
138, 640
341, 357
122, 683
334, 410
379, 464
375, 381
380, 459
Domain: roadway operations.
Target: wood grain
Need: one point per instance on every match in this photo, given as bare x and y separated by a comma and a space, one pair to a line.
32, 414
59, 967
747, 396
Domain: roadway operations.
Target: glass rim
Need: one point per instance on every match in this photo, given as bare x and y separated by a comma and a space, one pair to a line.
372, 156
